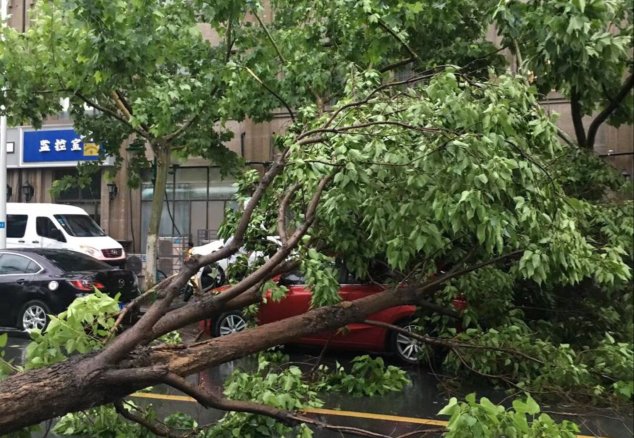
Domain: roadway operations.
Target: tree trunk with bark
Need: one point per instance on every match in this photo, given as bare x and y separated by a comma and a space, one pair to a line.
160, 184
87, 381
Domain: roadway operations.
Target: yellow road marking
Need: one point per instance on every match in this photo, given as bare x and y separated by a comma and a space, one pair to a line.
372, 416
333, 412
182, 398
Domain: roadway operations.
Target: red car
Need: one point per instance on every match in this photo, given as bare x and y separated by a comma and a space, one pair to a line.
357, 336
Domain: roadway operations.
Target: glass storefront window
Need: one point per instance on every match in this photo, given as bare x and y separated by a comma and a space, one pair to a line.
88, 197
196, 199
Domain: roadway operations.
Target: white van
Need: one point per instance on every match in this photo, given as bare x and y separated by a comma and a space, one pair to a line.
60, 226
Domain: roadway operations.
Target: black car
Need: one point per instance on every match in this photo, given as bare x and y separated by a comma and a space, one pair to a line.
36, 282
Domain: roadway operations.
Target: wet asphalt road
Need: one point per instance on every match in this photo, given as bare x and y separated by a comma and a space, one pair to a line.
413, 409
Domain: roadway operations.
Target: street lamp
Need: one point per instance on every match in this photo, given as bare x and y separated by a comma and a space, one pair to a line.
27, 191
113, 190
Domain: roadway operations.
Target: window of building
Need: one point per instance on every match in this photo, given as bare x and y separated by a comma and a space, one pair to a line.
90, 192
87, 197
194, 207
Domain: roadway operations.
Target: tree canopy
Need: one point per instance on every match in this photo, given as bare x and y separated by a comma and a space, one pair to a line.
409, 147
580, 49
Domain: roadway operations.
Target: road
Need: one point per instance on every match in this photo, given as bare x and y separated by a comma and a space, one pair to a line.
396, 414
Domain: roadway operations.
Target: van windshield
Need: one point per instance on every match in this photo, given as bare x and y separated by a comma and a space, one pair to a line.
79, 225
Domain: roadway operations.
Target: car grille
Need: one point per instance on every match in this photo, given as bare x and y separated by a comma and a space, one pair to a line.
112, 253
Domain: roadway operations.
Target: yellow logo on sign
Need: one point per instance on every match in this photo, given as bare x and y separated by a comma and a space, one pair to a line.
91, 150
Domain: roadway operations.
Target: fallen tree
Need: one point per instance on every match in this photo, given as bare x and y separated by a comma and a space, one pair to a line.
440, 177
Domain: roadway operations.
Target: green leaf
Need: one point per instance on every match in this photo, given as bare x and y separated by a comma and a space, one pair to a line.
450, 408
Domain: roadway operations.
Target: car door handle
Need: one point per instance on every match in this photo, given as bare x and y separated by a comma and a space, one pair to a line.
20, 281
21, 241
35, 241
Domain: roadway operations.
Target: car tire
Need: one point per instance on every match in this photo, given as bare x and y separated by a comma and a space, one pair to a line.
228, 323
212, 276
34, 315
406, 349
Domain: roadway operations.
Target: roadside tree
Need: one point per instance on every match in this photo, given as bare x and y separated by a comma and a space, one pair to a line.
135, 74
582, 49
139, 73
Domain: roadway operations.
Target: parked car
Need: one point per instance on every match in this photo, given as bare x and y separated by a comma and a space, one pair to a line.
214, 275
60, 226
356, 336
37, 282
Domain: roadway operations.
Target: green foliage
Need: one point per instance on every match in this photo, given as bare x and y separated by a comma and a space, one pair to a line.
367, 377
472, 419
321, 278
513, 354
181, 421
99, 422
473, 184
285, 390
81, 328
6, 367
27, 432
448, 174
580, 48
277, 291
308, 65
583, 175
610, 224
171, 338
105, 422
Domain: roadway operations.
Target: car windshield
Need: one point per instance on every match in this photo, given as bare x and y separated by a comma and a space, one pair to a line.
79, 225
70, 261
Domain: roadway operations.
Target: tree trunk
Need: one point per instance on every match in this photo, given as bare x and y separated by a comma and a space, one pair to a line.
83, 382
160, 184
577, 119
593, 129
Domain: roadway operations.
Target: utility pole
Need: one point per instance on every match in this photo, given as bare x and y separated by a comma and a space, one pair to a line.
3, 150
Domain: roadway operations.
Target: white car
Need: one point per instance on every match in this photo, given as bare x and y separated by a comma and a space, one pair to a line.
214, 275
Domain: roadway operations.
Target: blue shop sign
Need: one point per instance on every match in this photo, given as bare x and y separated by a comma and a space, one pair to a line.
47, 146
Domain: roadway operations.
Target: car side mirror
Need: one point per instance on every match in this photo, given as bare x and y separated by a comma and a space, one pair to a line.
56, 234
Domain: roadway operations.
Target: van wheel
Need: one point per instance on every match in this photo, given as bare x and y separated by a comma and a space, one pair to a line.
227, 323
34, 316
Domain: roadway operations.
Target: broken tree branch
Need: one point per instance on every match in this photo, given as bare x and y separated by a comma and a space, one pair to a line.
156, 428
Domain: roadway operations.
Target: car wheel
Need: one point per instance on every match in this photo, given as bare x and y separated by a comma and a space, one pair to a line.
407, 349
212, 276
34, 315
230, 322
